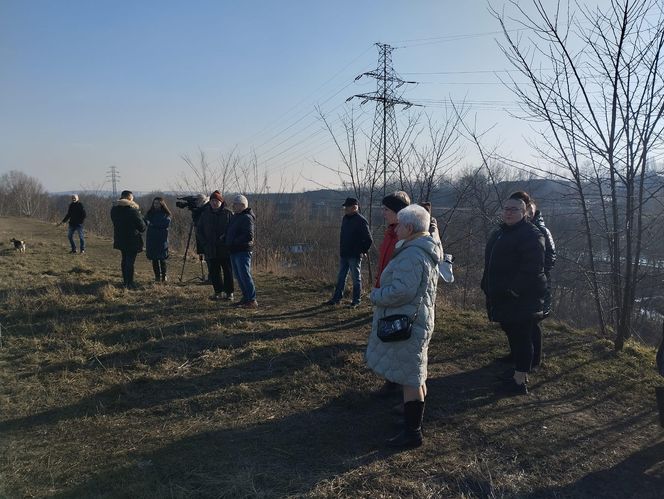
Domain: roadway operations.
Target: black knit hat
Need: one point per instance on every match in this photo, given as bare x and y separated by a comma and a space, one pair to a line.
394, 203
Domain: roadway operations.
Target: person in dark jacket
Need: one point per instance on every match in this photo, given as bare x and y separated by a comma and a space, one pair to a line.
211, 232
391, 204
202, 202
158, 220
128, 227
433, 223
75, 216
240, 237
354, 241
514, 284
537, 220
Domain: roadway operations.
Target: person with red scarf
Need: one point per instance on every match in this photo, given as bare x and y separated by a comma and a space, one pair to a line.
392, 204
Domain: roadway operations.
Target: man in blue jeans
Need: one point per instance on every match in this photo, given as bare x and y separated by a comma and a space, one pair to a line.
240, 235
75, 216
354, 241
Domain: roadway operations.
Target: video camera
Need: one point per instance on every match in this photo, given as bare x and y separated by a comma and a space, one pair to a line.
189, 202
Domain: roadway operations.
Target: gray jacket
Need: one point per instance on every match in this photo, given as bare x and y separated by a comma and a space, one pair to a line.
411, 276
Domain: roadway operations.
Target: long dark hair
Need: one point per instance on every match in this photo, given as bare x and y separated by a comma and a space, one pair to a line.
162, 207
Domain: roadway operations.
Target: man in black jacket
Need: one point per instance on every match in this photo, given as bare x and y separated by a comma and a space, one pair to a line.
240, 236
354, 241
128, 227
211, 233
75, 216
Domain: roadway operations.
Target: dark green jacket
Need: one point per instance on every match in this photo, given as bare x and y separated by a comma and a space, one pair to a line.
128, 226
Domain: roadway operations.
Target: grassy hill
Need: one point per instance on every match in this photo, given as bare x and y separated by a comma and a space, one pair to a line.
162, 393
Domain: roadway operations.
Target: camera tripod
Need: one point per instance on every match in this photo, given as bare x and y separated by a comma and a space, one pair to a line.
184, 259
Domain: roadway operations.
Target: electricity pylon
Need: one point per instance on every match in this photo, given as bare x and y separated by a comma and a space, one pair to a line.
384, 143
114, 175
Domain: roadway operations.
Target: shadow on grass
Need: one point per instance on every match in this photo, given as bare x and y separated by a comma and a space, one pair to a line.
455, 394
285, 456
156, 347
145, 393
639, 475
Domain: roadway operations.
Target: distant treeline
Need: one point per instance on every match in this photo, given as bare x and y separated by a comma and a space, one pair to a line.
467, 213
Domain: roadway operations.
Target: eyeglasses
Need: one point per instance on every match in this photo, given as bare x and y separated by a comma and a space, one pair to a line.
511, 209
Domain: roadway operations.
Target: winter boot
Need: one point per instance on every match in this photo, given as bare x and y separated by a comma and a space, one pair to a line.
411, 436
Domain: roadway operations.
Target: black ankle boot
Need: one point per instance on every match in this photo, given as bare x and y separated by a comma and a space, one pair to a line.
411, 436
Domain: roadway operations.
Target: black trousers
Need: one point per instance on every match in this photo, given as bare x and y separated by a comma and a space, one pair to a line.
127, 266
159, 268
217, 266
520, 337
537, 344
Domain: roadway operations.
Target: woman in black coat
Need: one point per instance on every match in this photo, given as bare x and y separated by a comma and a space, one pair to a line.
158, 220
514, 285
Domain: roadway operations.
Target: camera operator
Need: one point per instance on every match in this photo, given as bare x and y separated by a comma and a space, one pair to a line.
211, 231
200, 203
195, 204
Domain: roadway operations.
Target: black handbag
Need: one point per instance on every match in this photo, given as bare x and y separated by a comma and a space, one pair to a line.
397, 327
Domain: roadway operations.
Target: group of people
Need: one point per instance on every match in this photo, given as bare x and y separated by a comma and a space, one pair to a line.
516, 281
224, 236
519, 257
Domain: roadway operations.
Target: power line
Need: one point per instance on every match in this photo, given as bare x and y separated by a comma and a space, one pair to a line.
479, 71
292, 108
309, 113
459, 36
309, 152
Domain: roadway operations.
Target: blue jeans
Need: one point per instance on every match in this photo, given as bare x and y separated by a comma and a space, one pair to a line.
241, 263
81, 238
352, 263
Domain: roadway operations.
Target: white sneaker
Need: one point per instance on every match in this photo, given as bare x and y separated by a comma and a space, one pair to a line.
227, 296
445, 268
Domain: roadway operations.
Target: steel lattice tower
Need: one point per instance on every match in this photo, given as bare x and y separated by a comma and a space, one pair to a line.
114, 175
384, 142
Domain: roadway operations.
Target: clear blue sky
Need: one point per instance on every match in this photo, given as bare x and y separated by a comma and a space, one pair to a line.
136, 84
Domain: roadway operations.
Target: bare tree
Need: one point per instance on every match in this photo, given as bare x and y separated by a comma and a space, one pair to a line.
593, 79
357, 173
22, 194
433, 157
202, 176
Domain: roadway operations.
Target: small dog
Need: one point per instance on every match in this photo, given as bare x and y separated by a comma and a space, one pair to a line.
18, 245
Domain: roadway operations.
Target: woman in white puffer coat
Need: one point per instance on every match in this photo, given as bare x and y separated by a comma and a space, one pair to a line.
407, 285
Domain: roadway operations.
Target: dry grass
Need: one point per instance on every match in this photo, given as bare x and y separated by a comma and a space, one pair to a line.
162, 393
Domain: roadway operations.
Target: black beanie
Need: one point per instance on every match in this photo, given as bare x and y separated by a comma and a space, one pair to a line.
394, 203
